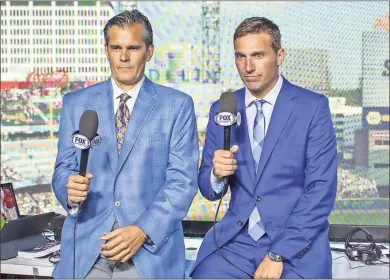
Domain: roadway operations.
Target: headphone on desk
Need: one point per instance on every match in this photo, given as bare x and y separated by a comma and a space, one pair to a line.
58, 233
359, 252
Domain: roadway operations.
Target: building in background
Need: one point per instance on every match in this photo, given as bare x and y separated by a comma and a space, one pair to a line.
46, 36
376, 74
210, 70
376, 68
346, 121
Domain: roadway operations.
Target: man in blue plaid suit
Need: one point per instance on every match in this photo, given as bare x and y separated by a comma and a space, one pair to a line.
142, 178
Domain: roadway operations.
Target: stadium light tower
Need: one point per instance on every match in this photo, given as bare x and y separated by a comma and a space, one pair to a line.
210, 42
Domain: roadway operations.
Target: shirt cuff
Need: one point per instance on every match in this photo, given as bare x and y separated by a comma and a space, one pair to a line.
216, 183
73, 207
149, 241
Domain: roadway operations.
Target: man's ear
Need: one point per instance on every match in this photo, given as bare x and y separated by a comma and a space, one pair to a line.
280, 56
149, 52
106, 51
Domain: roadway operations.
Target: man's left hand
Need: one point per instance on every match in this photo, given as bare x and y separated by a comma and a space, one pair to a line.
269, 269
122, 243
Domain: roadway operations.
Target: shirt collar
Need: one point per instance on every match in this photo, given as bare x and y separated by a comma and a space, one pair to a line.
133, 92
269, 98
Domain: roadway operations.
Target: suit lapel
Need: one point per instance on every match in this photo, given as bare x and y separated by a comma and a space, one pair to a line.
144, 105
105, 112
283, 108
244, 153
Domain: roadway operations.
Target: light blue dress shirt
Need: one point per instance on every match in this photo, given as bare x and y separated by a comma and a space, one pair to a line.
268, 107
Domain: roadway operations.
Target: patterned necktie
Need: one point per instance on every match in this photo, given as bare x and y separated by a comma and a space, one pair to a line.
255, 226
258, 133
121, 120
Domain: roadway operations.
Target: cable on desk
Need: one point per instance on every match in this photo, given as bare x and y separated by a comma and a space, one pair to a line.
349, 263
55, 258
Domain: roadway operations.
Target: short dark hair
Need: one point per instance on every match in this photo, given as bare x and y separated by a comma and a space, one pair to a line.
129, 18
255, 25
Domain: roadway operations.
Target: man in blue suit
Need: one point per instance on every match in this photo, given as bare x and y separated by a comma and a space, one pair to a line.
282, 171
143, 176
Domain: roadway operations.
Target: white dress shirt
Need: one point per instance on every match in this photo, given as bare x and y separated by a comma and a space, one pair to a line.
268, 108
133, 93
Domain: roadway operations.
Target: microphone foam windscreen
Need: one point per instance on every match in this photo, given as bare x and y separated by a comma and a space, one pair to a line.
228, 103
89, 124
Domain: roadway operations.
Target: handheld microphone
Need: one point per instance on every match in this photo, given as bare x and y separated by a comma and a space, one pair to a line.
227, 116
82, 138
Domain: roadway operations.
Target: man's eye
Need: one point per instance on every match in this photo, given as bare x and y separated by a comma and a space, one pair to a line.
133, 48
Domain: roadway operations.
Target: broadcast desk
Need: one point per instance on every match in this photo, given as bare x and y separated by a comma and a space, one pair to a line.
342, 267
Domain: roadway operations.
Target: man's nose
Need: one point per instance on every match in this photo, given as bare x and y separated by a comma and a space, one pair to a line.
124, 55
249, 65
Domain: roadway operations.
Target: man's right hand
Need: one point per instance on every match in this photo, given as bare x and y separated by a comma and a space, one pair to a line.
78, 187
224, 163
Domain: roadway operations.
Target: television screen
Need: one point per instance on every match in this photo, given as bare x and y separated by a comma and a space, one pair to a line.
9, 206
339, 49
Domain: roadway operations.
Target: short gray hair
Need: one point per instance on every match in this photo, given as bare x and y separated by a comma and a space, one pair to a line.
129, 18
256, 25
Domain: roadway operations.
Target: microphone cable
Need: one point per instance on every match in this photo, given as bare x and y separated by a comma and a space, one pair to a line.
74, 240
215, 232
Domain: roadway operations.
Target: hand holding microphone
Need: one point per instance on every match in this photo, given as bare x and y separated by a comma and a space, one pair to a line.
224, 163
78, 185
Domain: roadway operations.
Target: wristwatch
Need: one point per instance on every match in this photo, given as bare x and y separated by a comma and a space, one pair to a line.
275, 257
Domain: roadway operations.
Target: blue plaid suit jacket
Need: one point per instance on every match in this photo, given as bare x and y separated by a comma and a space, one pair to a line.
154, 178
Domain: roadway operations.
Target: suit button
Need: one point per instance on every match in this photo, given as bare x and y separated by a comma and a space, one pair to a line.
258, 198
117, 203
240, 223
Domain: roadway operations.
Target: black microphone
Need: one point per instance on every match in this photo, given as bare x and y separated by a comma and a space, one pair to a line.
82, 138
227, 116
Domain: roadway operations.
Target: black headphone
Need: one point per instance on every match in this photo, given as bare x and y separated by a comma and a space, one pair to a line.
58, 233
364, 253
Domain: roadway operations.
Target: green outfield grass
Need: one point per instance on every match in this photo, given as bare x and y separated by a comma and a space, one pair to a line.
360, 217
11, 113
2, 222
358, 211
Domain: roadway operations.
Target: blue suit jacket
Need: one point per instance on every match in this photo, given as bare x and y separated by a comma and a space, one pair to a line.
154, 178
296, 180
